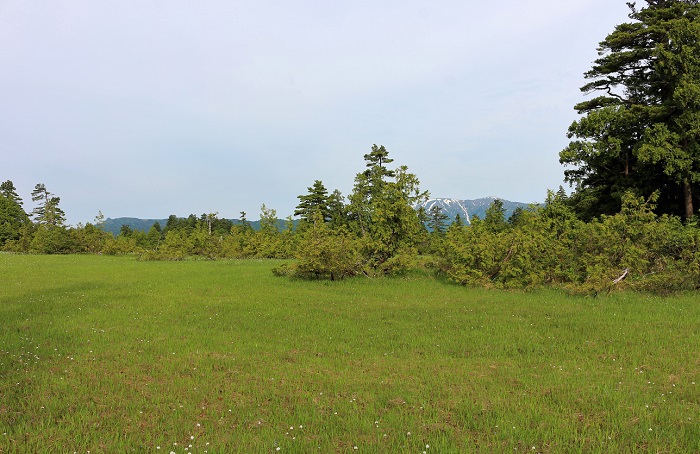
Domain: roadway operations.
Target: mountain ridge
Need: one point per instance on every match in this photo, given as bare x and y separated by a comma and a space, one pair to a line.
466, 208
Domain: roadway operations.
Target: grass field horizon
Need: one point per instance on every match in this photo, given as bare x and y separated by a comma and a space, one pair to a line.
111, 354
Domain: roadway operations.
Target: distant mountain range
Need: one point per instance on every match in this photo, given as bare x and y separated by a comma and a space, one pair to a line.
466, 209
115, 225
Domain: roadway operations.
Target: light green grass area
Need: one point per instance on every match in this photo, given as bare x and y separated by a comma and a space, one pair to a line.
109, 354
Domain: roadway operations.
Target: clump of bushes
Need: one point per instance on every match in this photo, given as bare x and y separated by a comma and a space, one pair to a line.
549, 246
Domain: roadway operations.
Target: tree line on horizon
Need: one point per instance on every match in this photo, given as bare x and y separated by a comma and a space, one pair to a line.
633, 161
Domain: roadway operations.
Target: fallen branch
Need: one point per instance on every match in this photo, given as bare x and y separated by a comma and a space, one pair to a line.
622, 276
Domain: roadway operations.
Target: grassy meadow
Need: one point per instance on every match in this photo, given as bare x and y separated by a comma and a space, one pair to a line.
109, 354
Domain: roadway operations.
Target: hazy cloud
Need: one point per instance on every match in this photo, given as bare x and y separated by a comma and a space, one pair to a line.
170, 107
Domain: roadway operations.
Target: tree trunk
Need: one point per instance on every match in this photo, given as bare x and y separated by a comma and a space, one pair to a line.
688, 197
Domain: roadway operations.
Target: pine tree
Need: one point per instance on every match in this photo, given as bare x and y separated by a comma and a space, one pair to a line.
337, 209
642, 131
244, 223
495, 217
381, 207
437, 219
12, 218
8, 189
47, 212
376, 161
316, 200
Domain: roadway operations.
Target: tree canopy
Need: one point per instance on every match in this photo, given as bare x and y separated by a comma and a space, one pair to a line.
642, 130
47, 212
315, 201
634, 159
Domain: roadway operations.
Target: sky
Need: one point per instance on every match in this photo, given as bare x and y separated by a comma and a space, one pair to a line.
145, 109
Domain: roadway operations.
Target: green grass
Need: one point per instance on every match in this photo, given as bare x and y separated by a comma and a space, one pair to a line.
106, 354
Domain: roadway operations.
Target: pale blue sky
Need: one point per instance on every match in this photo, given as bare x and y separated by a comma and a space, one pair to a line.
151, 108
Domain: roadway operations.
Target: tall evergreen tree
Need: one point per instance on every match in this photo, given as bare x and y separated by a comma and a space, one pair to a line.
210, 219
171, 224
381, 207
268, 219
437, 220
315, 201
337, 209
47, 212
495, 216
12, 219
376, 161
244, 223
642, 131
12, 215
7, 188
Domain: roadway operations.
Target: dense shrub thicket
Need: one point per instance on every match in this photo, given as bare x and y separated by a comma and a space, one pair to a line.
545, 245
549, 246
639, 136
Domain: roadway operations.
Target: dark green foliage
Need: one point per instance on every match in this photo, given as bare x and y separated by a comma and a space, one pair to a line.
315, 201
173, 223
326, 253
47, 212
337, 209
126, 231
90, 238
495, 218
207, 236
381, 212
436, 219
268, 241
153, 237
12, 216
8, 190
376, 161
53, 240
515, 218
244, 222
48, 235
550, 246
379, 232
642, 131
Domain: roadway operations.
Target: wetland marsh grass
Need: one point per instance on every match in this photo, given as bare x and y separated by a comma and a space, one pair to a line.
110, 354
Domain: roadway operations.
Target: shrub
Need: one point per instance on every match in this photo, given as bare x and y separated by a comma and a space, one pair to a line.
326, 253
632, 249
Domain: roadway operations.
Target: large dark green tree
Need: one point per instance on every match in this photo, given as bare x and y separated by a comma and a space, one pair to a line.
437, 220
381, 208
337, 209
12, 216
642, 130
376, 161
51, 235
268, 240
12, 219
315, 201
47, 212
7, 188
495, 217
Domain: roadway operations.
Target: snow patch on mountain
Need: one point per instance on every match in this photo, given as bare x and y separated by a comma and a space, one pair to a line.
450, 207
467, 209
